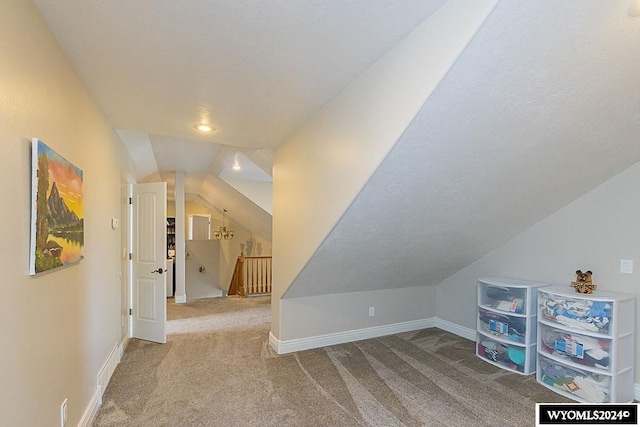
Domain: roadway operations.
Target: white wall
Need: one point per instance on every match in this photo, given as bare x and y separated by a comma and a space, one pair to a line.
58, 327
202, 269
328, 314
321, 168
592, 233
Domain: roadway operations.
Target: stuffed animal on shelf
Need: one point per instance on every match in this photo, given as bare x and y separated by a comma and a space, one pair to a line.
584, 283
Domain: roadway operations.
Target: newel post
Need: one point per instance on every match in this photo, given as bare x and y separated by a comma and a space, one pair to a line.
240, 273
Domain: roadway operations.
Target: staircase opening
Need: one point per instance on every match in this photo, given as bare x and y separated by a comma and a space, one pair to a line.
251, 276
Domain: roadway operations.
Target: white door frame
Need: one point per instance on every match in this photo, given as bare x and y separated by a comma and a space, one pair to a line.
129, 260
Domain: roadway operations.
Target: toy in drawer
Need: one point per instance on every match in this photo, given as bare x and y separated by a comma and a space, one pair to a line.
575, 313
580, 349
508, 356
511, 300
511, 328
582, 384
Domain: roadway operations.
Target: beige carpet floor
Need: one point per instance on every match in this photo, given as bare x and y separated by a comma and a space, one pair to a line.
218, 370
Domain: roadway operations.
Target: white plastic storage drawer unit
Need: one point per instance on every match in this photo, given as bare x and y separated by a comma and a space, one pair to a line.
586, 344
506, 323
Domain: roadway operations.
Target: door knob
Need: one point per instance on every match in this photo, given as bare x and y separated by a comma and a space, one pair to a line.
160, 270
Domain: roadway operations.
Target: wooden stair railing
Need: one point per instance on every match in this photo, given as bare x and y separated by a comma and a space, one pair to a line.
257, 275
237, 280
251, 276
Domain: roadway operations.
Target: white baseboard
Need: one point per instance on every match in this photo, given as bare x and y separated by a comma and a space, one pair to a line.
103, 377
108, 367
274, 342
180, 299
91, 410
123, 346
454, 328
298, 344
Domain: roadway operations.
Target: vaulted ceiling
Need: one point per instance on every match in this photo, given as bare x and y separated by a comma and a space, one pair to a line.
542, 106
254, 71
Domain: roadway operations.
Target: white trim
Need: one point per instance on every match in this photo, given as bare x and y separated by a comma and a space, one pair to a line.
180, 299
274, 342
298, 344
123, 346
105, 373
103, 378
92, 409
636, 391
454, 328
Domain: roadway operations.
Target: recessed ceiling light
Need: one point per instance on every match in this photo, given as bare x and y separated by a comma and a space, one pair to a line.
203, 127
236, 167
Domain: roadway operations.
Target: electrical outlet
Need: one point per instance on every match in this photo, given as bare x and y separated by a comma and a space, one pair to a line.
122, 318
626, 266
64, 413
372, 311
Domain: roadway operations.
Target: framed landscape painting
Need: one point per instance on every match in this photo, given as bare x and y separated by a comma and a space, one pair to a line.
57, 216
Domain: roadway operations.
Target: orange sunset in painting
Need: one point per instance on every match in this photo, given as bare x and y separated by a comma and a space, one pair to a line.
57, 217
69, 184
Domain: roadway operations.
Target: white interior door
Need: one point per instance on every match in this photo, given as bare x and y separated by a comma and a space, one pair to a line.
149, 305
199, 227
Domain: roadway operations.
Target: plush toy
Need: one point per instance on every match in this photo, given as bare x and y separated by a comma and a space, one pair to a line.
584, 283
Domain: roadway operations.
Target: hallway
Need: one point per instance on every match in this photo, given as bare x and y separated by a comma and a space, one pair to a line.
218, 314
217, 369
212, 344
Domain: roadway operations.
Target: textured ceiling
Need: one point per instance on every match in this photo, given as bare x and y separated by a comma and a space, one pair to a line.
542, 106
255, 71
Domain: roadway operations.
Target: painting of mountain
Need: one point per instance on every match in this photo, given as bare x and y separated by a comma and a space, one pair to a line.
57, 215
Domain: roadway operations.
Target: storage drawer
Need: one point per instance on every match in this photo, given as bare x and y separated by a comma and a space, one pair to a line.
512, 328
578, 348
507, 356
574, 382
502, 298
588, 315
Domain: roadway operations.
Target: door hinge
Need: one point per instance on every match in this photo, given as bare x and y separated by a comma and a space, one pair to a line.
130, 312
130, 201
130, 256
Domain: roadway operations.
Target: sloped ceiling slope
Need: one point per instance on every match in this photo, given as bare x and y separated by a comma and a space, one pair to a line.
542, 106
240, 208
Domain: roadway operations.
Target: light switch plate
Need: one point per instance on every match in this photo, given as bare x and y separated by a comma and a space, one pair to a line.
626, 266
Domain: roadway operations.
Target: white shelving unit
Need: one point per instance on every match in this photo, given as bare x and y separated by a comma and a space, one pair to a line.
586, 344
506, 323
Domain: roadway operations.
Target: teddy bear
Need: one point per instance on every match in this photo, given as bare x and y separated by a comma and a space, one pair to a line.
584, 283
